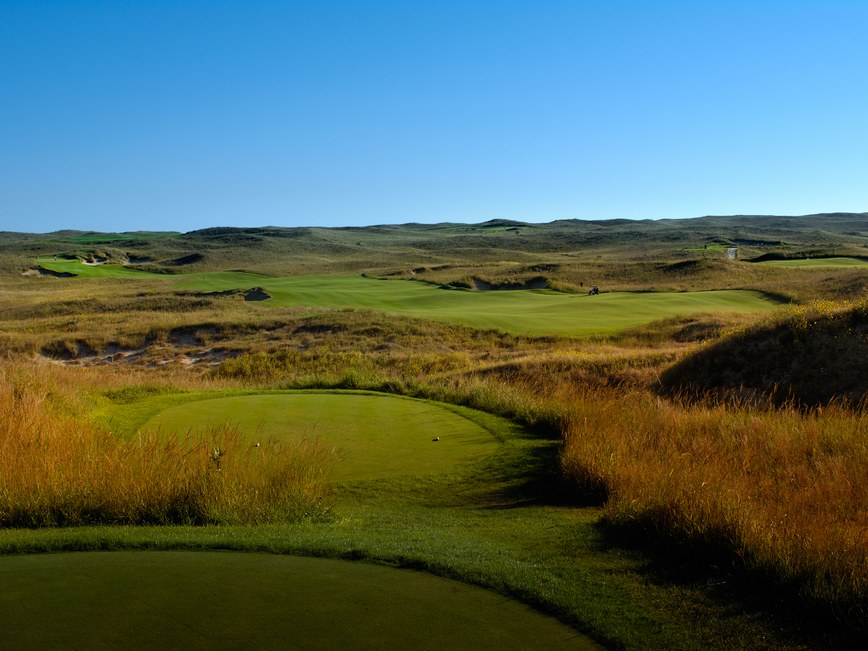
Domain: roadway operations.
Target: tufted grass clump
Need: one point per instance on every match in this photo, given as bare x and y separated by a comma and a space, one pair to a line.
58, 469
773, 493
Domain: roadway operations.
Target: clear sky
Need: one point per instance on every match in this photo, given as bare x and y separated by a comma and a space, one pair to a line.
150, 115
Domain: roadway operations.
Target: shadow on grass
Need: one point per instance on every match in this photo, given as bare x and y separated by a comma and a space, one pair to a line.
529, 476
716, 571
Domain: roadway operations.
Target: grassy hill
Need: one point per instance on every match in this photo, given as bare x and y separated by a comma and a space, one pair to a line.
570, 255
810, 355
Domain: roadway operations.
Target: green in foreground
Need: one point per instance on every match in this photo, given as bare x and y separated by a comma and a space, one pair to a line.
500, 522
146, 600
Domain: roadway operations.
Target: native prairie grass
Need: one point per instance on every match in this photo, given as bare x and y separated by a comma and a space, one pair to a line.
58, 468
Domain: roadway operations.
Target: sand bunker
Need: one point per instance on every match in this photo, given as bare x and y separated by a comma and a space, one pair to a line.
42, 271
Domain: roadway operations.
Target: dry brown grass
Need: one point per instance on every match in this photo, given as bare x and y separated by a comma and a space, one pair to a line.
779, 492
774, 491
59, 469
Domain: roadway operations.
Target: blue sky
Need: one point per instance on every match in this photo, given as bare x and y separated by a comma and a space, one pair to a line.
179, 115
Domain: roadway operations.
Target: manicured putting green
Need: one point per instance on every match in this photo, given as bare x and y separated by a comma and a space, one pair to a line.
226, 600
377, 436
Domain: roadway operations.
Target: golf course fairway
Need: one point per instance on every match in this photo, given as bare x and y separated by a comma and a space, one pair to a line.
532, 312
230, 600
375, 435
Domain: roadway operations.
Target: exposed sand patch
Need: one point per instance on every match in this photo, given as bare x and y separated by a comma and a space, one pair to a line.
42, 271
154, 355
208, 357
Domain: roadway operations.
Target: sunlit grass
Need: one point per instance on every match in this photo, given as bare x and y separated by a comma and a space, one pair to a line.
375, 435
529, 311
777, 492
59, 469
533, 312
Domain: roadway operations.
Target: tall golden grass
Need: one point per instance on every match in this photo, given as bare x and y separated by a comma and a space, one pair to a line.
781, 492
777, 491
59, 469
